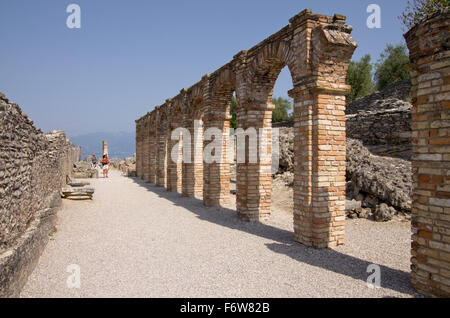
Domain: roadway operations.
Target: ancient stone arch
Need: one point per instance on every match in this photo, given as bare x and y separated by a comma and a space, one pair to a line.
317, 50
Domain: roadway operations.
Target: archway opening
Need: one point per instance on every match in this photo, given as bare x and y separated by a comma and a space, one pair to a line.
283, 144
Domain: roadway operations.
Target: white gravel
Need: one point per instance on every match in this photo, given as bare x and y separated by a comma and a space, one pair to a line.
138, 240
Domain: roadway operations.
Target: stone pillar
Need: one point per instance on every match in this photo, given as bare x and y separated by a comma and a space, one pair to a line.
193, 170
188, 166
254, 141
320, 139
428, 44
255, 199
139, 172
162, 159
174, 183
320, 165
241, 167
105, 148
152, 150
146, 150
216, 178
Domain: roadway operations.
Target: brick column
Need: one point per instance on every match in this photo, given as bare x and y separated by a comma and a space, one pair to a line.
162, 161
162, 148
139, 149
320, 165
198, 158
105, 147
241, 167
188, 167
146, 150
430, 62
320, 140
152, 152
216, 187
193, 171
174, 183
257, 202
253, 117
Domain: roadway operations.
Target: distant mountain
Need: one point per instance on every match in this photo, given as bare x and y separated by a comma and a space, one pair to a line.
120, 144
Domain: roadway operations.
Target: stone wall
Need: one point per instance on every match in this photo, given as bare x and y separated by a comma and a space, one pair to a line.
381, 118
385, 99
429, 48
389, 127
382, 121
33, 168
128, 166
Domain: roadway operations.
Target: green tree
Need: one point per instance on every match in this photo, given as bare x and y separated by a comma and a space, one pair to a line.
392, 66
233, 112
359, 76
281, 111
279, 114
416, 10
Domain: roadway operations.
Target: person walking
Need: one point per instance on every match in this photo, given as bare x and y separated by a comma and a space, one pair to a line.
94, 161
105, 165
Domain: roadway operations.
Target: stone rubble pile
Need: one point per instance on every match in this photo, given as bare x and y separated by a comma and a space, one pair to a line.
115, 163
128, 166
379, 179
375, 180
84, 170
380, 185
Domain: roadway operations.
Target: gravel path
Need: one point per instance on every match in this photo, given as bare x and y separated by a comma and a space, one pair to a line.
137, 240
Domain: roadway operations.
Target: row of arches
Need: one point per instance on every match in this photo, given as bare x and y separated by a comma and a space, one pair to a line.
317, 50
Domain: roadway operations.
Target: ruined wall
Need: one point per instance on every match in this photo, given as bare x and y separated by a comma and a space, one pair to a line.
429, 48
385, 99
33, 168
390, 126
381, 118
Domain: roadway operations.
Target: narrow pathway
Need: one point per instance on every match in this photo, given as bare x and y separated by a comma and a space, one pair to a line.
138, 240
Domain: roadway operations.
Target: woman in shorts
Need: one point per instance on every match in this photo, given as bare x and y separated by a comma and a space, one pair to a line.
105, 165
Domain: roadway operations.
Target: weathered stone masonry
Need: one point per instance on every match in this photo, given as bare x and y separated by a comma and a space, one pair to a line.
33, 168
429, 44
317, 49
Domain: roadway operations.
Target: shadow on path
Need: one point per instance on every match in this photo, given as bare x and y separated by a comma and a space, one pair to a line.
328, 259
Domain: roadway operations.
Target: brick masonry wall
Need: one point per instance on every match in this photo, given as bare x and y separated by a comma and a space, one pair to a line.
429, 44
33, 168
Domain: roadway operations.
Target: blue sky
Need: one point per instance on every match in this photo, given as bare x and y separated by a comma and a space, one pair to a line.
131, 55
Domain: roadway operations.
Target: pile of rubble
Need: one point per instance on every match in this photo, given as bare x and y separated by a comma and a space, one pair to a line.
381, 184
128, 166
114, 163
376, 186
84, 170
379, 177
